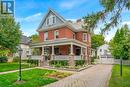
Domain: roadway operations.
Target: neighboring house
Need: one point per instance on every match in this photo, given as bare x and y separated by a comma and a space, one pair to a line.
61, 39
24, 44
103, 51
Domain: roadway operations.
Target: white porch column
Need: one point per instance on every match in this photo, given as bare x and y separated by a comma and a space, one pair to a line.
71, 57
71, 49
42, 50
81, 53
53, 52
42, 61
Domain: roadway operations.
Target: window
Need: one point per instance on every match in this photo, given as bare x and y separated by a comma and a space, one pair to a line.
46, 36
73, 35
47, 21
54, 20
56, 33
84, 36
51, 20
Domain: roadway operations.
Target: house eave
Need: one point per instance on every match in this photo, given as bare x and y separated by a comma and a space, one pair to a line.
63, 41
69, 25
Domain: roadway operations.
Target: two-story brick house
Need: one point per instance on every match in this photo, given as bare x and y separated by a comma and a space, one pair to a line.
61, 39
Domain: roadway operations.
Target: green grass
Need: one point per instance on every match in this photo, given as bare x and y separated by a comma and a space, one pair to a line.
32, 78
116, 80
11, 66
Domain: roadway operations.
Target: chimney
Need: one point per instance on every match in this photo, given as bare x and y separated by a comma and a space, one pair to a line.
78, 20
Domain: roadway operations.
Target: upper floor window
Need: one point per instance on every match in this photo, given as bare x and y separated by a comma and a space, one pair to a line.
51, 20
73, 35
84, 36
56, 34
54, 19
46, 36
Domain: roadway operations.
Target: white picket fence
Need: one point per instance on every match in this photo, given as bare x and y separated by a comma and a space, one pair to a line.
111, 61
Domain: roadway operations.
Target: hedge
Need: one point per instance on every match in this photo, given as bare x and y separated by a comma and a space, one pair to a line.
3, 59
61, 63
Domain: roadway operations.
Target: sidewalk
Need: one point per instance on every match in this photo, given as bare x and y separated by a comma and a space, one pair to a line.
6, 72
96, 76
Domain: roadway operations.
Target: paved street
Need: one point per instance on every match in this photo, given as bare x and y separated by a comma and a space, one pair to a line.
96, 76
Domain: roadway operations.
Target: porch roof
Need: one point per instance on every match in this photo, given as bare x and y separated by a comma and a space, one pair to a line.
63, 41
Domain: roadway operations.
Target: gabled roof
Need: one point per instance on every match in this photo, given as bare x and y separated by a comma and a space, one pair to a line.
55, 13
24, 40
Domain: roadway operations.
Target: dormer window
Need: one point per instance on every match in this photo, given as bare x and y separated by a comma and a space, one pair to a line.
54, 19
56, 34
51, 20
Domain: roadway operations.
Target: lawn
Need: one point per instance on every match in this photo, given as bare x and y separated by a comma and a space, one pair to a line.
116, 80
32, 78
11, 66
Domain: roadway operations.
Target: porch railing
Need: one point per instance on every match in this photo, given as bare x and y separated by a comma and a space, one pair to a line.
34, 57
65, 57
61, 57
77, 57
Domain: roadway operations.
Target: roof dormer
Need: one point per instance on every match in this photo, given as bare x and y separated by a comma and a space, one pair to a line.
50, 19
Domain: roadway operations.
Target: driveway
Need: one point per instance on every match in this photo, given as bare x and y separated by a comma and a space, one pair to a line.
96, 76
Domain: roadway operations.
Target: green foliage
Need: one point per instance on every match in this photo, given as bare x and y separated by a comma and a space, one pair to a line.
120, 46
64, 63
59, 63
97, 40
12, 66
4, 52
9, 34
3, 59
31, 78
110, 16
16, 59
34, 38
118, 81
35, 62
79, 62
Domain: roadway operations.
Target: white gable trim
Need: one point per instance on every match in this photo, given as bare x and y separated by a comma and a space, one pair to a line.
44, 18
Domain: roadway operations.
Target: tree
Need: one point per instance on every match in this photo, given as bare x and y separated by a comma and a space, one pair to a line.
110, 16
9, 34
97, 40
34, 38
119, 45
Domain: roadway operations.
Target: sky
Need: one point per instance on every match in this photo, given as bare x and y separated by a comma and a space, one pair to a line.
30, 12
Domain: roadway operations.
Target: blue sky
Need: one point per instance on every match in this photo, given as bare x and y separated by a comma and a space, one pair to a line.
30, 12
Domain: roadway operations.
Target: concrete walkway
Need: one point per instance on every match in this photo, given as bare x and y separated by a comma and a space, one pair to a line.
6, 72
96, 76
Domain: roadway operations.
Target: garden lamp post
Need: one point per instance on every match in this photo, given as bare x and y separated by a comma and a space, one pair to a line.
121, 66
20, 54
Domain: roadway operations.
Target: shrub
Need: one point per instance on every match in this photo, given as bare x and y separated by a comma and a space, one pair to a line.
3, 59
59, 63
79, 62
16, 59
35, 62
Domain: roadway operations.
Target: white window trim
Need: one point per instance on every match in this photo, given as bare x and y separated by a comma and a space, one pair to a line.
74, 36
85, 40
55, 34
50, 20
46, 33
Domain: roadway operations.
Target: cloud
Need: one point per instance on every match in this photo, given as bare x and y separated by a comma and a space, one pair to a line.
31, 18
71, 19
71, 3
126, 22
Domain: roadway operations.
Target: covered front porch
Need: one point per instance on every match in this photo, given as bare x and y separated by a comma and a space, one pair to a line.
60, 50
